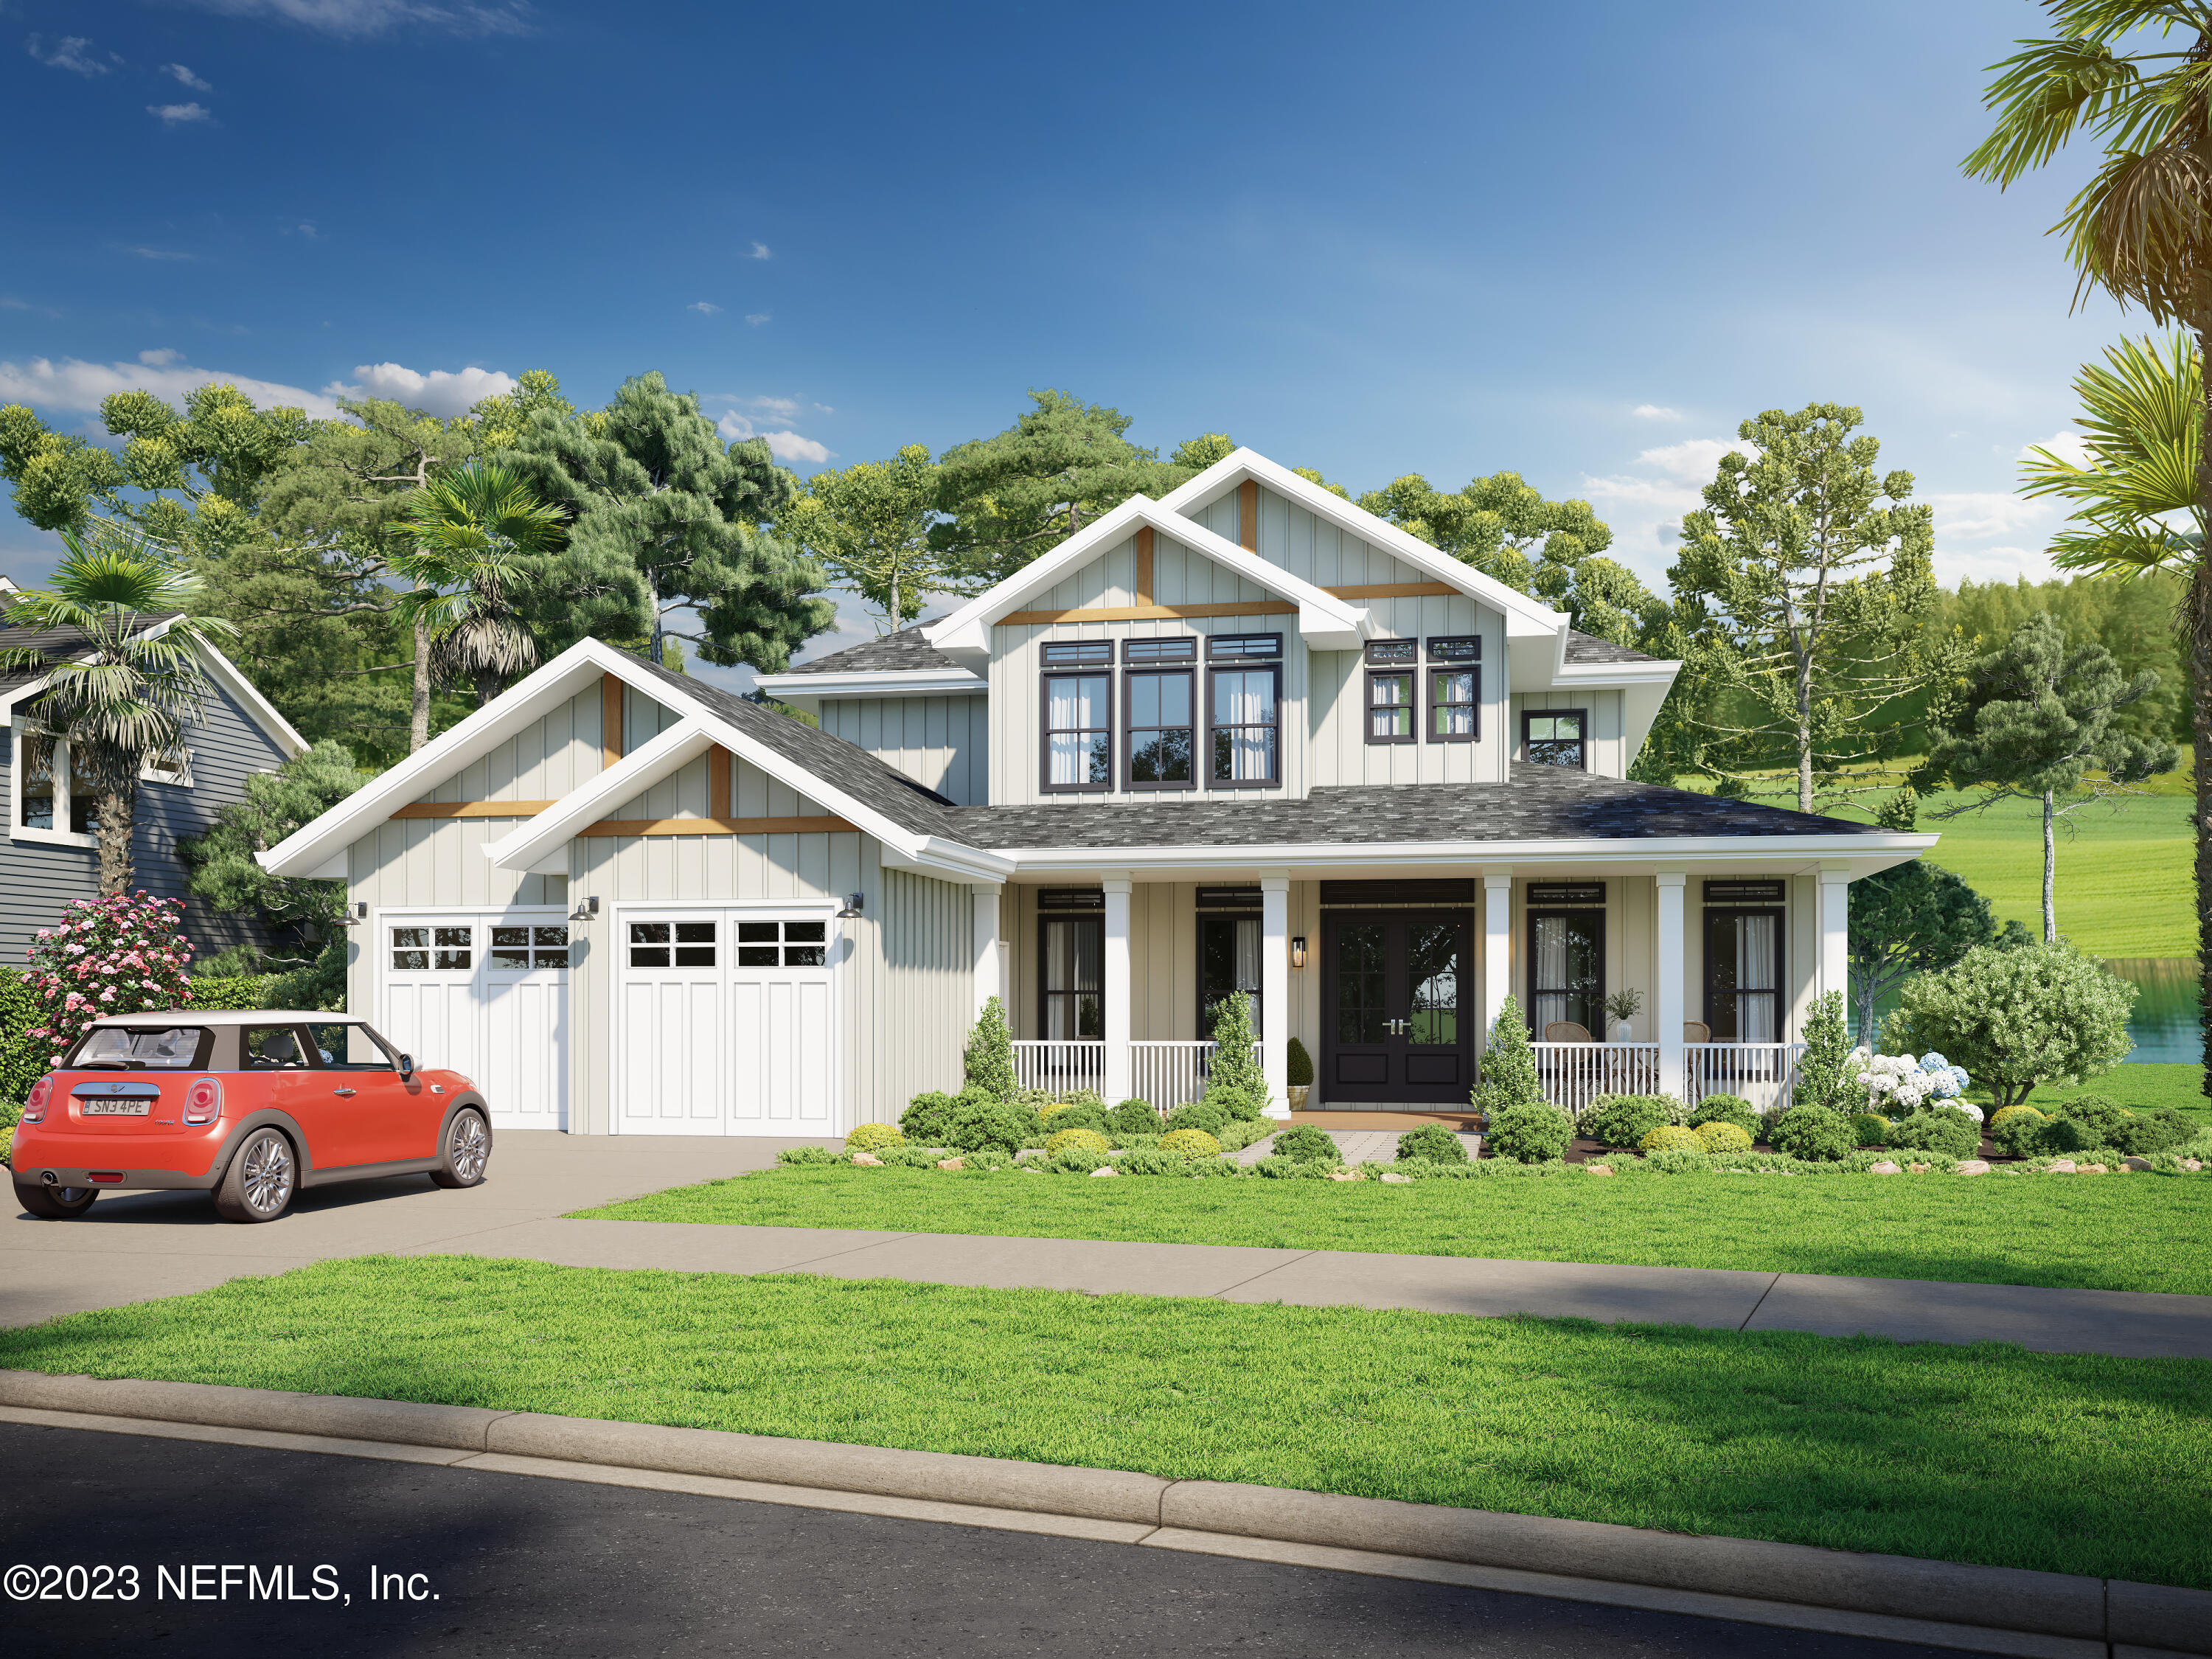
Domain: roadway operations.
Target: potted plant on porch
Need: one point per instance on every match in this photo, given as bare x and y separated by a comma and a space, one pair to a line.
1620, 1007
1297, 1075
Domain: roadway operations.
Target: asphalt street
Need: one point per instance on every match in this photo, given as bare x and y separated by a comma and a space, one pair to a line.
522, 1565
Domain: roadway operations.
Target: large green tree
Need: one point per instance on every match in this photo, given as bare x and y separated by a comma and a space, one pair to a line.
1801, 587
2040, 722
1914, 918
868, 526
667, 521
2140, 231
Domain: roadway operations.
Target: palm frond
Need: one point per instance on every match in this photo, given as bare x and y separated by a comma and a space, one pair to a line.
2042, 94
2140, 228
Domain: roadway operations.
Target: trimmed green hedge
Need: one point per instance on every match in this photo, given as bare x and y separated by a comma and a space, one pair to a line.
23, 1062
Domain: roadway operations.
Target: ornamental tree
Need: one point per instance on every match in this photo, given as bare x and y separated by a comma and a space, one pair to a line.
118, 955
989, 1062
2040, 1013
1825, 1077
1508, 1065
1236, 1073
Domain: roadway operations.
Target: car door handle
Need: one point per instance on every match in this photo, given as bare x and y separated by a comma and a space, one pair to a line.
341, 1091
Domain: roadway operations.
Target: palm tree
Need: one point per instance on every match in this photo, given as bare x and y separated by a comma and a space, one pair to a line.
479, 531
128, 695
2140, 230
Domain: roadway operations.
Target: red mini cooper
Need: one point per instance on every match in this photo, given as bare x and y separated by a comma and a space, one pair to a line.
247, 1107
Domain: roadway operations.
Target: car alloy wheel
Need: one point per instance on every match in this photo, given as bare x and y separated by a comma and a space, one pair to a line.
267, 1179
471, 1147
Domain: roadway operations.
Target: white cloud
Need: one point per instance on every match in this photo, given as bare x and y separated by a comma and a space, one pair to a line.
160, 359
78, 386
704, 308
784, 445
757, 318
158, 253
357, 19
1695, 458
181, 115
178, 72
441, 391
72, 51
1655, 412
760, 251
306, 229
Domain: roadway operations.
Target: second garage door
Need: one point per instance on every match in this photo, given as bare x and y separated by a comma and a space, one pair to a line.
724, 1021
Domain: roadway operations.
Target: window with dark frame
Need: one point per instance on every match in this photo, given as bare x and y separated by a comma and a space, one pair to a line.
1228, 961
1071, 985
1158, 714
1390, 706
1743, 974
1566, 969
1244, 648
1245, 727
1556, 737
1077, 653
1078, 732
1389, 653
1454, 703
1181, 648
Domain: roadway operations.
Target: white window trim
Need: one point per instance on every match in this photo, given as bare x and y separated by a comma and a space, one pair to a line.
157, 769
19, 728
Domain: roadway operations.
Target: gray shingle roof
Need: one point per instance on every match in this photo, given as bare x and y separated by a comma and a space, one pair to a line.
905, 649
1541, 803
1588, 648
54, 644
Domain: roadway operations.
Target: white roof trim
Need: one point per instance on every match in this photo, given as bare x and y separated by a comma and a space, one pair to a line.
1328, 623
1523, 616
588, 803
221, 670
801, 691
1878, 851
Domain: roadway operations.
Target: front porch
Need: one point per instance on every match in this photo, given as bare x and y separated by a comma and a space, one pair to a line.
1390, 985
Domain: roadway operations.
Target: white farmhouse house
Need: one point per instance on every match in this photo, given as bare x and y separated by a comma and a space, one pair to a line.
1246, 738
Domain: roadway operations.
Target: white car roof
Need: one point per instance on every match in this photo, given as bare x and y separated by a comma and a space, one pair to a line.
229, 1017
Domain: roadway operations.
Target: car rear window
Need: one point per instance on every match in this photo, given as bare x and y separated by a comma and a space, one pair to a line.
140, 1047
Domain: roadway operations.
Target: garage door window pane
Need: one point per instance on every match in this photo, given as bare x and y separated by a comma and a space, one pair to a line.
806, 945
552, 946
695, 944
455, 945
649, 945
510, 947
758, 932
409, 951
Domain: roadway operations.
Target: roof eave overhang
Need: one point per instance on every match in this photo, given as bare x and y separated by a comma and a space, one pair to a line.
807, 691
1862, 855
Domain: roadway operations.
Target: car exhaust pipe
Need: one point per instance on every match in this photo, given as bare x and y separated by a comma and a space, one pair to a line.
47, 1178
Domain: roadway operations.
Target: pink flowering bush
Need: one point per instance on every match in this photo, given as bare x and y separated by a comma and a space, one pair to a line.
110, 956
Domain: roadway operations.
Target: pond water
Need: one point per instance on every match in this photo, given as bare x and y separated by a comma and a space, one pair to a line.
2164, 1023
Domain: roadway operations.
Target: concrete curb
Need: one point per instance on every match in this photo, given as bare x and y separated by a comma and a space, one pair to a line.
2149, 1617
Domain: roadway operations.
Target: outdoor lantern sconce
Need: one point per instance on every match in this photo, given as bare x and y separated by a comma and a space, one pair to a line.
356, 914
852, 910
587, 908
1298, 951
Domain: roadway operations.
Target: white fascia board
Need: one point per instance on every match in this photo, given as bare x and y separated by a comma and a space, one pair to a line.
264, 712
1524, 617
965, 634
1789, 853
1594, 676
805, 690
937, 857
636, 772
315, 843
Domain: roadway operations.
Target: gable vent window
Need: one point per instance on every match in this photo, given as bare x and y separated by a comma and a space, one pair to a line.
1383, 654
1463, 648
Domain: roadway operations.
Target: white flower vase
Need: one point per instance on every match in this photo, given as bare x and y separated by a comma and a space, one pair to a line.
1623, 1031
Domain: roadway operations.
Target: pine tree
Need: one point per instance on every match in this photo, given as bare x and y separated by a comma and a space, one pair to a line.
989, 1062
1508, 1065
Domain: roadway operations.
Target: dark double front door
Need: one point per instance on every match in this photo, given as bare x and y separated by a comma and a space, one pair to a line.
1398, 1008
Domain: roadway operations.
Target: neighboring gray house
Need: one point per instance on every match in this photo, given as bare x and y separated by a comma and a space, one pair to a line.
1244, 738
48, 858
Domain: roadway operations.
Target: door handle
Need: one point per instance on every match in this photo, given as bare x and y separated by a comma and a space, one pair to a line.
1399, 1027
341, 1091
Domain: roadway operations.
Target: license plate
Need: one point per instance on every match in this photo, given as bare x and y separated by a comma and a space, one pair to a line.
115, 1107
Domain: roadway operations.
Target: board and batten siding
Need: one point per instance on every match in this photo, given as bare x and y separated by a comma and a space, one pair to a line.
1341, 753
943, 742
1606, 737
37, 878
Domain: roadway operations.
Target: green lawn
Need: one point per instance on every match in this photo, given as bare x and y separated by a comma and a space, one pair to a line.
2142, 1088
2067, 1463
2137, 1232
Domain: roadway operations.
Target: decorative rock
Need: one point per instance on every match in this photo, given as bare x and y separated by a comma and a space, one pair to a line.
1917, 1169
869, 1158
1883, 1168
2191, 1163
1598, 1169
2135, 1163
1974, 1166
951, 1164
1397, 1180
1346, 1174
2059, 1166
1104, 1170
2091, 1168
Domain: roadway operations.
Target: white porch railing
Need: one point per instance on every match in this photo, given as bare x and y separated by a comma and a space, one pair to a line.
1168, 1074
1575, 1073
1061, 1067
1760, 1073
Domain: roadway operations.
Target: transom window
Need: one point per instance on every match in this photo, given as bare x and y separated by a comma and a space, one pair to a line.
1245, 728
783, 944
1078, 732
1455, 696
1178, 650
672, 943
1244, 648
1163, 739
1070, 653
1457, 647
1556, 739
1384, 652
1390, 706
533, 947
420, 950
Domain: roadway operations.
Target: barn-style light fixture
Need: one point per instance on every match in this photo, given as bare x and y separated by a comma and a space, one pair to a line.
1298, 951
852, 910
356, 914
587, 908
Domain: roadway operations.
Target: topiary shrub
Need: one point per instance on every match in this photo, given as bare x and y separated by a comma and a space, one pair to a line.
1815, 1134
1133, 1117
989, 1065
1309, 1141
1075, 1140
873, 1138
1431, 1143
1670, 1138
1532, 1132
927, 1120
1871, 1127
1722, 1134
1623, 1120
978, 1120
2010, 1112
1942, 1129
1190, 1143
1236, 1082
1297, 1065
2017, 1131
1508, 1067
1203, 1115
1726, 1109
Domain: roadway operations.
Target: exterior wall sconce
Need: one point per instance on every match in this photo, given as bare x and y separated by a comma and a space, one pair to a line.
356, 914
587, 908
1298, 951
852, 910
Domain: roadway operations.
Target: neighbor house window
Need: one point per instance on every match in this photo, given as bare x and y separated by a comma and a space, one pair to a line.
1079, 730
1390, 690
1454, 690
1163, 738
1244, 711
1557, 737
54, 799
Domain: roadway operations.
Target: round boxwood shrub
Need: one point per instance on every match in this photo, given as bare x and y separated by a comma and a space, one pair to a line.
1937, 1129
1670, 1138
1133, 1117
1308, 1142
1814, 1132
1190, 1143
1533, 1133
1623, 1120
2018, 1131
1726, 1109
1075, 1140
1432, 1142
928, 1121
1072, 1114
873, 1138
1204, 1115
2007, 1114
1722, 1134
978, 1120
1871, 1127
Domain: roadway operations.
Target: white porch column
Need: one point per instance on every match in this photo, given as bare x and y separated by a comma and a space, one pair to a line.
986, 895
1120, 1075
1275, 990
1835, 936
1667, 1006
1496, 944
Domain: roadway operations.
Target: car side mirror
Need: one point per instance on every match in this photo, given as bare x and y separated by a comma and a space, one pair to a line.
406, 1066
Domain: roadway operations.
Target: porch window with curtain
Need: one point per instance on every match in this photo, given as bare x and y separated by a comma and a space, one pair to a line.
1228, 961
1073, 951
1566, 971
1743, 976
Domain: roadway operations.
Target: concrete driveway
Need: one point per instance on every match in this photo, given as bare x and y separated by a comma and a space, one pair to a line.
131, 1247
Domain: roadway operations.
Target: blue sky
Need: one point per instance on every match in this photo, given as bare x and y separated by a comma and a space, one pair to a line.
1579, 243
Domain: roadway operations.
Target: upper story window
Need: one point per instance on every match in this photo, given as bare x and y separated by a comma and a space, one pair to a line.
54, 798
1246, 728
1163, 737
1071, 653
1454, 689
1079, 729
1390, 671
1244, 648
1557, 737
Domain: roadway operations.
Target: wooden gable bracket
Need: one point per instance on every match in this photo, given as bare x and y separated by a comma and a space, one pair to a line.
718, 784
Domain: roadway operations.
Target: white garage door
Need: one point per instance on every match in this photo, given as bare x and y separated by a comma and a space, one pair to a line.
487, 995
724, 1021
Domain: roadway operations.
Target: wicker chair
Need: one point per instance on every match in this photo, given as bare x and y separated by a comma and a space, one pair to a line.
1696, 1030
1565, 1030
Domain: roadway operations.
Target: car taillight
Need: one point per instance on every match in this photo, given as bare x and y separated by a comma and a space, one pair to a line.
203, 1101
34, 1105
